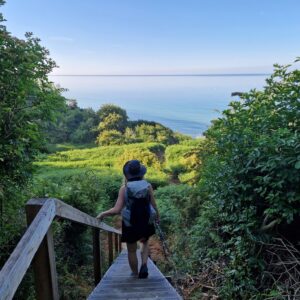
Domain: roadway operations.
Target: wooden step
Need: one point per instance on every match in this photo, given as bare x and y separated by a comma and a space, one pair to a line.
118, 284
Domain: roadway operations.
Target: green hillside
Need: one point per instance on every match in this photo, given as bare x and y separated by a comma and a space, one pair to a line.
163, 162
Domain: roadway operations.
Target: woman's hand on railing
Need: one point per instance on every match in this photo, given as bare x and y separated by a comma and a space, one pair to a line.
101, 216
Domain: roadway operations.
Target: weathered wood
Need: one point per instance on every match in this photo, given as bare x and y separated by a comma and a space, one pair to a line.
16, 266
118, 284
44, 266
110, 248
68, 212
120, 243
97, 255
116, 242
38, 240
51, 253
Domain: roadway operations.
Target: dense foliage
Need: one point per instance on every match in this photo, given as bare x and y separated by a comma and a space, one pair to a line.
28, 99
251, 174
115, 129
107, 126
73, 125
112, 117
248, 194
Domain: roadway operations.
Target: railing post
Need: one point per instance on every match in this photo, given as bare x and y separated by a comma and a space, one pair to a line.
116, 244
44, 262
120, 242
97, 255
110, 248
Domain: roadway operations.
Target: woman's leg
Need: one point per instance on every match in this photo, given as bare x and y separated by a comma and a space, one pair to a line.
132, 258
144, 251
144, 255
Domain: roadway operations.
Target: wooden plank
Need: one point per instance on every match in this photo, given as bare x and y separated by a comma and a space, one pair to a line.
118, 284
51, 253
144, 283
137, 296
117, 294
16, 266
68, 212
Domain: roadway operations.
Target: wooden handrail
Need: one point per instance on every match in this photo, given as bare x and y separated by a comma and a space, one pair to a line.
68, 212
37, 245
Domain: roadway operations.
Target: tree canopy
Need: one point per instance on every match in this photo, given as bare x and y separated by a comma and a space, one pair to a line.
114, 124
73, 125
28, 100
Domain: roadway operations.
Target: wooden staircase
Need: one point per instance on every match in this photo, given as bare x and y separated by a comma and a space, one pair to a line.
36, 247
118, 284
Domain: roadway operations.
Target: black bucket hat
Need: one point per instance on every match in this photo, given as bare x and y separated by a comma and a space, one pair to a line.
133, 168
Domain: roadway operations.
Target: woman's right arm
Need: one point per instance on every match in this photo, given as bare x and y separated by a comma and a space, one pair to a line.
118, 206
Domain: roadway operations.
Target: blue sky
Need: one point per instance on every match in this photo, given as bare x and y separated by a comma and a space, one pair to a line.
161, 36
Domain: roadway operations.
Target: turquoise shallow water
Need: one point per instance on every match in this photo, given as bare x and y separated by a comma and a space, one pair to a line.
184, 103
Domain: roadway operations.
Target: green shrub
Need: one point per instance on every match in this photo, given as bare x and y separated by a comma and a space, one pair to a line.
250, 174
180, 201
110, 137
182, 161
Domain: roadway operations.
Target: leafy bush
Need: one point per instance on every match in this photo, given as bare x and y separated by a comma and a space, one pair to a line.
112, 122
110, 109
250, 174
179, 204
155, 133
247, 195
110, 137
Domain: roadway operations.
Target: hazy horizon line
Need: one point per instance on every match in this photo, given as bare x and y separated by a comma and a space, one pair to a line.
166, 75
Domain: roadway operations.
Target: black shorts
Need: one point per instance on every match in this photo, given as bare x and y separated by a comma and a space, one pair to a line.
131, 234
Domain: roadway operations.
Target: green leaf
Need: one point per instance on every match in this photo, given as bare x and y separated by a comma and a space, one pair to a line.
297, 165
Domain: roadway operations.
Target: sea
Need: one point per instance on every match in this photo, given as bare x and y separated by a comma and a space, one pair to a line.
186, 104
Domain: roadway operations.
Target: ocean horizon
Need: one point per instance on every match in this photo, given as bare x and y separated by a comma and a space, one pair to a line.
186, 103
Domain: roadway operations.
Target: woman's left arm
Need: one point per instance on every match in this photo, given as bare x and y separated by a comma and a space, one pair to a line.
117, 208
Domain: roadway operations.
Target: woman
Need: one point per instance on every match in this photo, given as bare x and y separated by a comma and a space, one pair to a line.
139, 212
